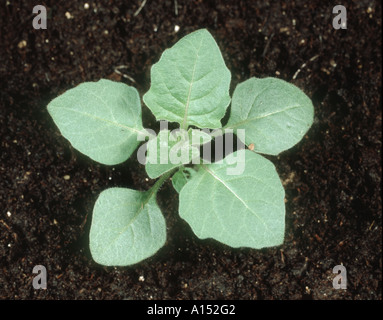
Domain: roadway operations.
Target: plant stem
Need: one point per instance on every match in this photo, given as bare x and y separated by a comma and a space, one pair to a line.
154, 189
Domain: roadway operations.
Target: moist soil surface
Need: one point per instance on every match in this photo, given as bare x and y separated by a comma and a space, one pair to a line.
332, 177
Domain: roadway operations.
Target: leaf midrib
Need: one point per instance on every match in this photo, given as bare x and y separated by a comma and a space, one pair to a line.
260, 117
184, 122
141, 207
108, 122
235, 194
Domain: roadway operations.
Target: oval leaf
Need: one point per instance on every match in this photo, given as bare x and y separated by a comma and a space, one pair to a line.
190, 83
181, 177
274, 113
100, 119
127, 227
245, 210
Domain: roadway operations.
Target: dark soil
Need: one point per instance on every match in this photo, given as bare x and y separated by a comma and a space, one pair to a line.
332, 177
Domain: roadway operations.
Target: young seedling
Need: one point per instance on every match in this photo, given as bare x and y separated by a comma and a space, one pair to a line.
238, 201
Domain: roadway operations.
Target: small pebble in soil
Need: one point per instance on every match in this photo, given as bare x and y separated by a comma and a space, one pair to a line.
68, 15
22, 44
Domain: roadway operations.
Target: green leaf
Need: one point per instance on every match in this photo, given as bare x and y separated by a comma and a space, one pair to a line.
274, 114
100, 119
245, 210
181, 177
190, 83
167, 151
127, 227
